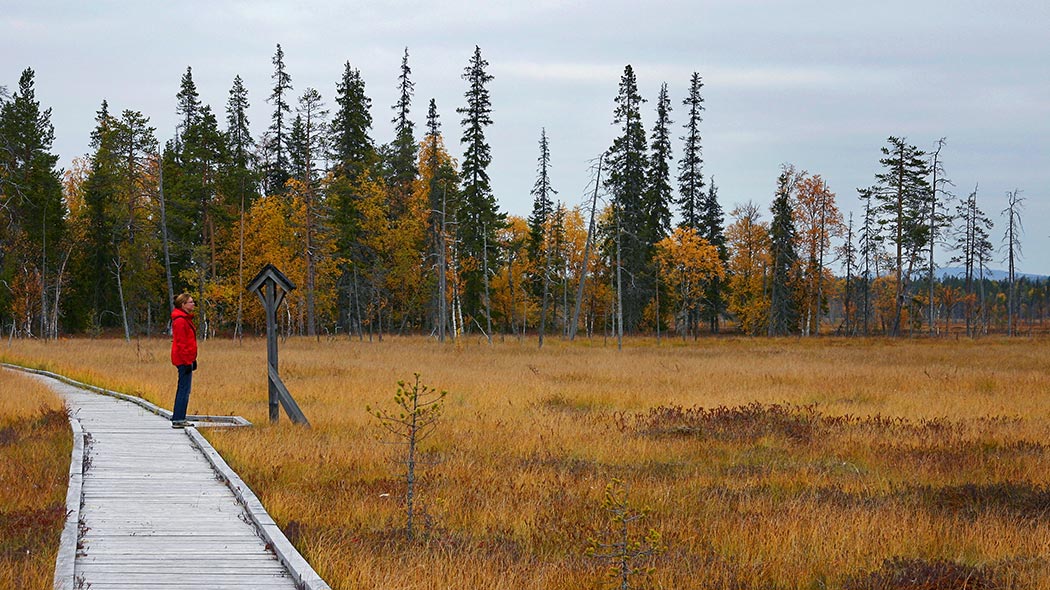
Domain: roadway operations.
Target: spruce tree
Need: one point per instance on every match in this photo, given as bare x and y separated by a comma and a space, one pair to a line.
239, 179
297, 149
94, 287
543, 203
188, 104
690, 168
443, 200
712, 228
903, 205
203, 157
660, 195
627, 165
33, 215
870, 251
783, 307
479, 217
352, 149
277, 172
117, 270
403, 150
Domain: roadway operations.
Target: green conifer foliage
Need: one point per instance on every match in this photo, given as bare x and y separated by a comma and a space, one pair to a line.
626, 180
690, 168
32, 212
783, 311
276, 147
352, 149
479, 218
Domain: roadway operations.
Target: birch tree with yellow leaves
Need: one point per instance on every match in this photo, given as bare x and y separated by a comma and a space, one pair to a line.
817, 219
687, 264
749, 265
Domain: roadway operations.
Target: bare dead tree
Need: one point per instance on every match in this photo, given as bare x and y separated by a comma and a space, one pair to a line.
586, 253
1012, 244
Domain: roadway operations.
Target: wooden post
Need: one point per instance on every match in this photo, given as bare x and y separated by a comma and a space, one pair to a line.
271, 286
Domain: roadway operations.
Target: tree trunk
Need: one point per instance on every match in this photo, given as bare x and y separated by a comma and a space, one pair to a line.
619, 289
485, 280
123, 308
238, 327
164, 237
546, 289
586, 255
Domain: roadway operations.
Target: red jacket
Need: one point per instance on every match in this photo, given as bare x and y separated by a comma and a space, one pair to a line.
183, 338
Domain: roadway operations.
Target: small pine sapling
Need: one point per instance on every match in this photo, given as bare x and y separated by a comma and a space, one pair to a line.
419, 409
629, 556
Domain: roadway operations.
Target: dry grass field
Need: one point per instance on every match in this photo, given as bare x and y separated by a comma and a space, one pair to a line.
825, 463
35, 444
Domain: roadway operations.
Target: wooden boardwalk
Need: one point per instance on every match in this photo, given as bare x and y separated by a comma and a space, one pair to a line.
154, 512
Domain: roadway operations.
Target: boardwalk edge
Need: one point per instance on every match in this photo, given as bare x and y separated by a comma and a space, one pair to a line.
298, 567
65, 574
208, 419
65, 578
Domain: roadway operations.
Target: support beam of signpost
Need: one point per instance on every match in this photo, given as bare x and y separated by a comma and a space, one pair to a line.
271, 286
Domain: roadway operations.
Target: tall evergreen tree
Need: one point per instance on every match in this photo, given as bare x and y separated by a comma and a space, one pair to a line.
690, 168
352, 149
403, 153
239, 178
659, 194
94, 287
297, 149
238, 131
903, 206
870, 252
627, 165
277, 148
200, 202
442, 182
240, 181
188, 104
479, 217
543, 202
712, 229
32, 211
783, 310
117, 272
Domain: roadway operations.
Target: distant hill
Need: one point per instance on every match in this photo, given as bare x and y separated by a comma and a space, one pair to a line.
991, 274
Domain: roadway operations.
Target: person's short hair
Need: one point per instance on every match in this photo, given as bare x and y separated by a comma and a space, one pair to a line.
182, 299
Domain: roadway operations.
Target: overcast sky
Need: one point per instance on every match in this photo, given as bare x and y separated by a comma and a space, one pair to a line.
817, 84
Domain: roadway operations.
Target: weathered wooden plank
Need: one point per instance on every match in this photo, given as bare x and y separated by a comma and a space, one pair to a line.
155, 514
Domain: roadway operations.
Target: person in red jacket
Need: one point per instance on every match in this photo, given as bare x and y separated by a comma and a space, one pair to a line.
183, 355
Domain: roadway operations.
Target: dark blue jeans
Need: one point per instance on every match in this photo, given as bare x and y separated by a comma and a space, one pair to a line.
182, 393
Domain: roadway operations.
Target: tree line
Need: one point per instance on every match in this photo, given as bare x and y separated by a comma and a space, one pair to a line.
401, 237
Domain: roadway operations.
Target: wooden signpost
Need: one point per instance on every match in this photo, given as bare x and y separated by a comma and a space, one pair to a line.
271, 286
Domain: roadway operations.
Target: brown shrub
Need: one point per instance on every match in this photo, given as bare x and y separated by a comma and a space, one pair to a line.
901, 573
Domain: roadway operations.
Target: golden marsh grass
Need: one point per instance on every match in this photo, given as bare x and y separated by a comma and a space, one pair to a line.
35, 444
832, 463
